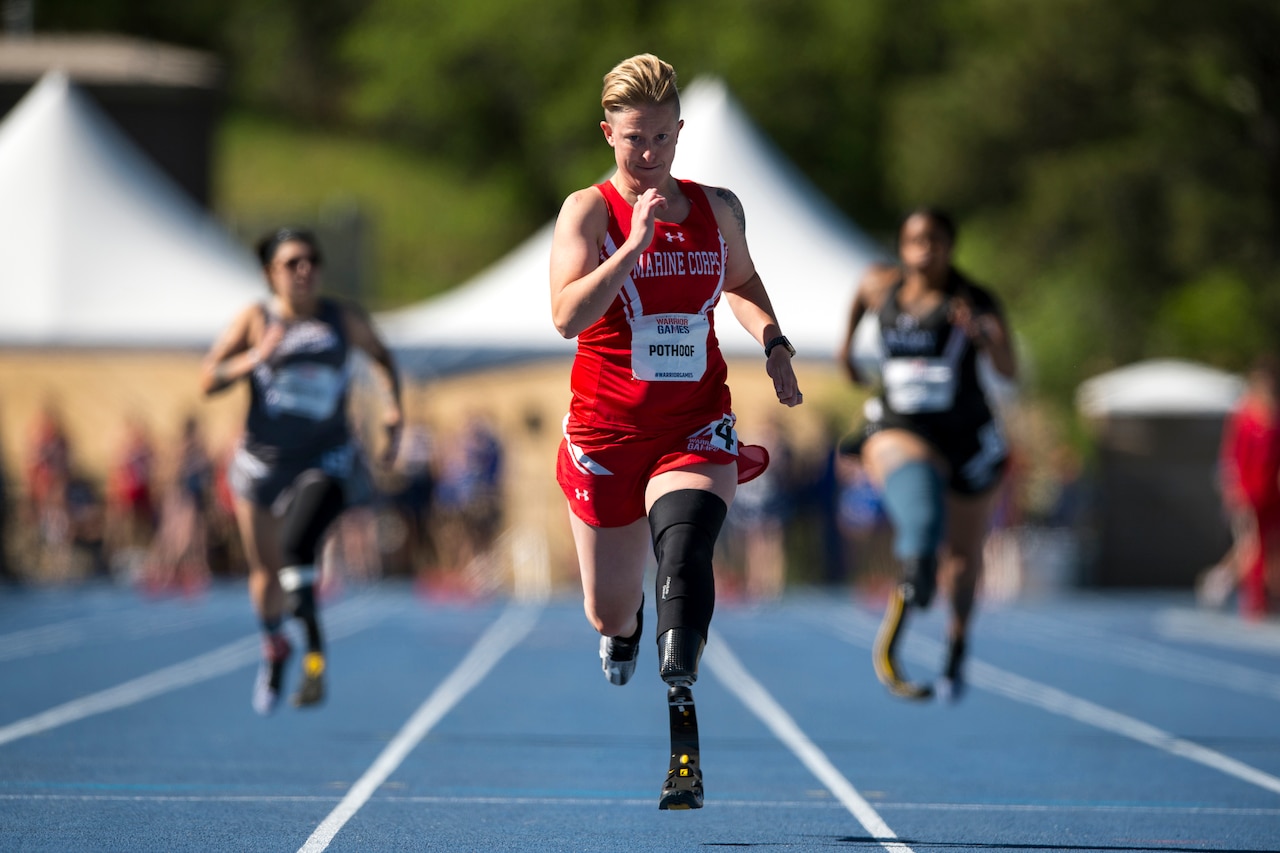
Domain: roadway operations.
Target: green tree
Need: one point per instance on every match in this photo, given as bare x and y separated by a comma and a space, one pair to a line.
1113, 161
1114, 165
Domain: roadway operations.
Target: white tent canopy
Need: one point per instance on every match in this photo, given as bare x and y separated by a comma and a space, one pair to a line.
98, 247
1159, 387
807, 252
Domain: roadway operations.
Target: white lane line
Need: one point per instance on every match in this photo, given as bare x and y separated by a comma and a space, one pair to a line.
1220, 629
511, 627
646, 803
1064, 704
1059, 702
45, 638
98, 628
725, 665
347, 619
1099, 644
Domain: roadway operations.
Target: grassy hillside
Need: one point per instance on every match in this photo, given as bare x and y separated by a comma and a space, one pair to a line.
430, 227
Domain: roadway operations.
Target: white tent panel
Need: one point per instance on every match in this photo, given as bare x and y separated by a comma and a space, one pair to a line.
501, 315
97, 246
1159, 387
808, 254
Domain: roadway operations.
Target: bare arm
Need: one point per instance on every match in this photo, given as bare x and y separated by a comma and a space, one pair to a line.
745, 293
363, 336
232, 356
583, 288
989, 334
998, 345
869, 297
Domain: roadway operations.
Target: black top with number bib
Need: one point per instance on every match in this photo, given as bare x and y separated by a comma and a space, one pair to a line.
298, 398
930, 385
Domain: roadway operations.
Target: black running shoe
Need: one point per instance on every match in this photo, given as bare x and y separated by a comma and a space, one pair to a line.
311, 690
618, 654
618, 658
883, 653
952, 684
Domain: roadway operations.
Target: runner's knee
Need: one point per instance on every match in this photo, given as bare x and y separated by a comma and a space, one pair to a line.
685, 525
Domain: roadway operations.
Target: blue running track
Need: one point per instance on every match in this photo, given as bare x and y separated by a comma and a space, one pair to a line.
1125, 722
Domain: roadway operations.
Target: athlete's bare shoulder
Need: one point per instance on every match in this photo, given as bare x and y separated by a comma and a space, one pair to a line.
723, 200
583, 201
875, 284
584, 208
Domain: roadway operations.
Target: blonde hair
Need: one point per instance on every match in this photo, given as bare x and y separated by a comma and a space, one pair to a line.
641, 80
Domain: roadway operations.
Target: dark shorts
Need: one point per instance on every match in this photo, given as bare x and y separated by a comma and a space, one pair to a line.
976, 457
267, 484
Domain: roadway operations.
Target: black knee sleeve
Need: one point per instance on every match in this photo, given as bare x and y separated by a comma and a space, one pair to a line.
685, 525
315, 501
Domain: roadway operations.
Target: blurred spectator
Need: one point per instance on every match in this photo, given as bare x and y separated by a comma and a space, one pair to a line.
131, 510
62, 517
863, 523
413, 493
1250, 471
7, 574
87, 527
226, 552
49, 461
759, 515
46, 518
1066, 506
470, 494
179, 557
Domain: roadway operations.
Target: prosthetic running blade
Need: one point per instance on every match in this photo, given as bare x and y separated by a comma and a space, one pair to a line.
683, 787
883, 653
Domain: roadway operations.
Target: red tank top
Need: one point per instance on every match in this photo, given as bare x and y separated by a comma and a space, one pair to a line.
653, 361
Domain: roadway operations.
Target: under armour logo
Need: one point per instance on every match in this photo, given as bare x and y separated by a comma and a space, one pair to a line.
675, 236
582, 494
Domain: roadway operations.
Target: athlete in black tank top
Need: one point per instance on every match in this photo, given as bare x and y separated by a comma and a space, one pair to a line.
931, 444
298, 400
297, 467
934, 337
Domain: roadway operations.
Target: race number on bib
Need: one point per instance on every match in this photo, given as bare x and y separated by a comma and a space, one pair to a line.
669, 347
717, 435
306, 390
914, 385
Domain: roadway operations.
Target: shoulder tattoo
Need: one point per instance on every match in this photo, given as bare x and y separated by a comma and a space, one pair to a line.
734, 205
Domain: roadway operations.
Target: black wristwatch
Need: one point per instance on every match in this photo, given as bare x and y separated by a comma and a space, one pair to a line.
780, 340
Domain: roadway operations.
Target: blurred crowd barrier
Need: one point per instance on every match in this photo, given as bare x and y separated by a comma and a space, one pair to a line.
471, 507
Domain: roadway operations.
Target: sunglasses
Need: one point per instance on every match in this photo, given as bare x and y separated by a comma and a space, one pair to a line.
292, 263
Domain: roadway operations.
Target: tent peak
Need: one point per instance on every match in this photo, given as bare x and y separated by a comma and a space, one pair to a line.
1159, 386
98, 247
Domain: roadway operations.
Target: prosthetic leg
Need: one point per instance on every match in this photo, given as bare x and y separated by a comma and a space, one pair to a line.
315, 501
884, 652
913, 497
679, 651
685, 525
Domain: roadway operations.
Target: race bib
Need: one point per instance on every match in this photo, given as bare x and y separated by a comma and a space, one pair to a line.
306, 390
718, 435
913, 385
669, 347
